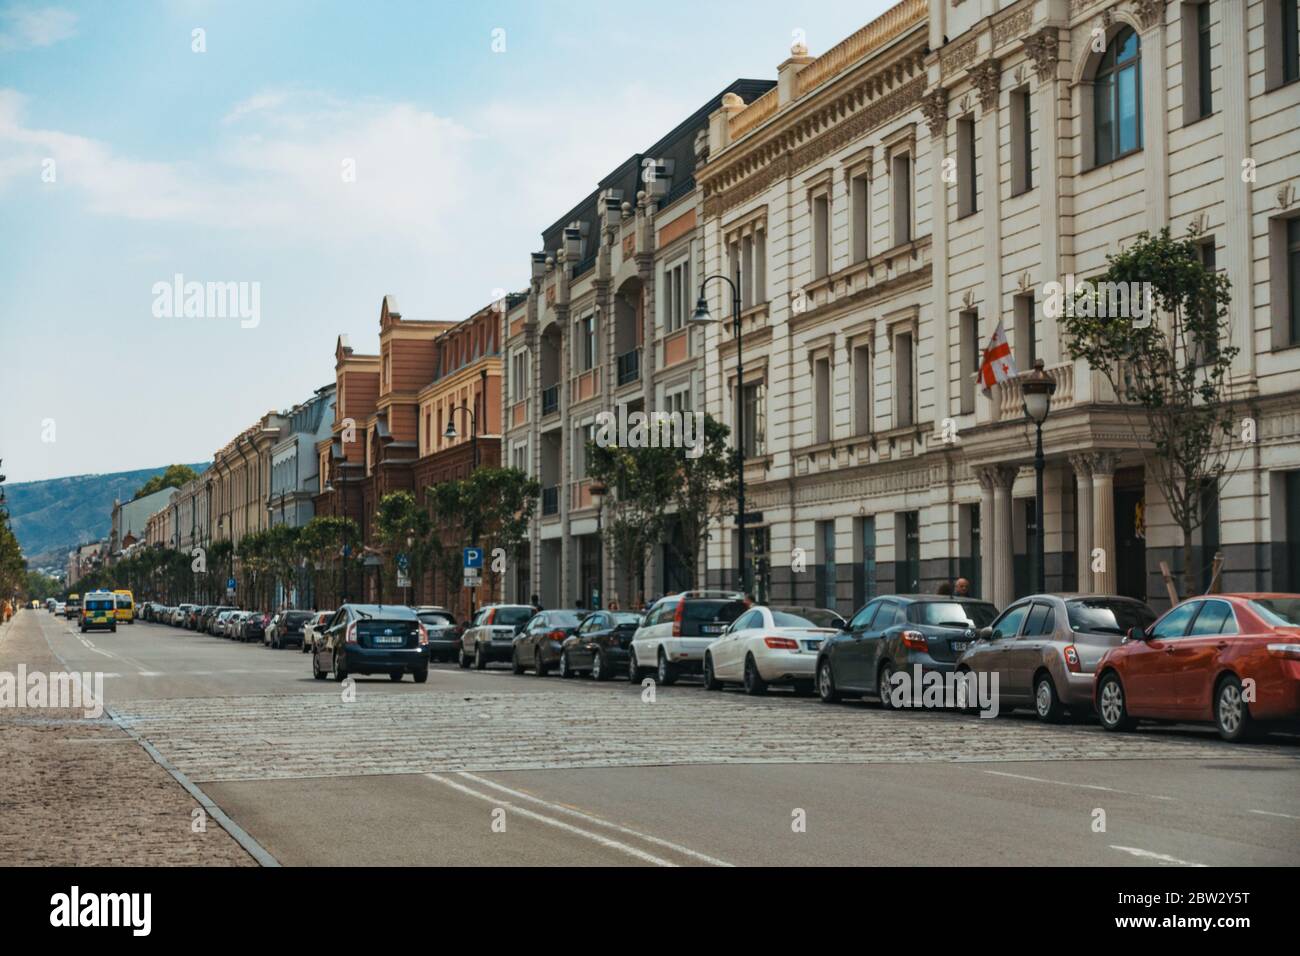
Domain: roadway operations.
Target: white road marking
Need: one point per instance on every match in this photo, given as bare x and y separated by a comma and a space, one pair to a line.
561, 808
551, 821
1158, 857
1267, 813
1082, 786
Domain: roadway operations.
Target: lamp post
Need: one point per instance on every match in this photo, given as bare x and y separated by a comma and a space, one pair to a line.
701, 314
598, 491
450, 434
1037, 389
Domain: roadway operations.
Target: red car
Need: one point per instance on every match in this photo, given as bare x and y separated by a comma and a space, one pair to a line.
1230, 659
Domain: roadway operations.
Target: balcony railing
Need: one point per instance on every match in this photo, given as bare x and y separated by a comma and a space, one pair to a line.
629, 366
551, 500
551, 400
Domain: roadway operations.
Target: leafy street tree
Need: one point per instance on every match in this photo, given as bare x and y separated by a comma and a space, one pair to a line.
403, 527
1169, 370
705, 491
173, 477
639, 483
320, 543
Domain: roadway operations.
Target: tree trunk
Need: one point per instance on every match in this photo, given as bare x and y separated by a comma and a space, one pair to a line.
1190, 583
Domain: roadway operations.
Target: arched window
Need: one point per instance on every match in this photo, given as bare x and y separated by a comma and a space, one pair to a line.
1117, 98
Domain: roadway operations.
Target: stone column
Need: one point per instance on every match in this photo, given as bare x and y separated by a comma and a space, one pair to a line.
1004, 584
1155, 114
987, 524
1083, 505
1103, 466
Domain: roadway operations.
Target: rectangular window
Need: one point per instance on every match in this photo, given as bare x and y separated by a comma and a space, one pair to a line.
1206, 94
860, 190
969, 359
1208, 532
826, 571
1293, 278
1291, 565
822, 400
1205, 352
1022, 144
1281, 42
1198, 98
821, 218
905, 401
907, 551
900, 174
678, 292
747, 272
586, 343
864, 576
753, 401
967, 203
760, 267
1025, 331
862, 390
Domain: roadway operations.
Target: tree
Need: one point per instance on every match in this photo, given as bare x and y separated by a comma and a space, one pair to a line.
320, 543
172, 477
706, 490
402, 526
1171, 376
639, 483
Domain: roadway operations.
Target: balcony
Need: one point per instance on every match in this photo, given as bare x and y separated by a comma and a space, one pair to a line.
629, 367
1008, 401
550, 400
550, 501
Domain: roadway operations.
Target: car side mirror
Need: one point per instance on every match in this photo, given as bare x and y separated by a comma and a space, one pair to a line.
984, 634
1136, 634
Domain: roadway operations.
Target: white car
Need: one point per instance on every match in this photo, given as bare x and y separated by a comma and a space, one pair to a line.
678, 629
770, 645
318, 621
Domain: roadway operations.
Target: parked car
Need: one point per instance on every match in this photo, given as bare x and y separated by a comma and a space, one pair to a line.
372, 639
191, 621
285, 629
253, 626
538, 646
600, 645
318, 620
219, 623
678, 629
1201, 661
208, 619
490, 635
178, 615
897, 632
1044, 649
770, 645
444, 635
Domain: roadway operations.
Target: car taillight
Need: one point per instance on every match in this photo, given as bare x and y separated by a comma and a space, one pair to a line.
424, 635
677, 618
351, 636
915, 640
1289, 651
1072, 658
491, 615
781, 643
557, 635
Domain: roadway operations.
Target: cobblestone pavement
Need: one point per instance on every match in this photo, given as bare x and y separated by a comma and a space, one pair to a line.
316, 735
77, 791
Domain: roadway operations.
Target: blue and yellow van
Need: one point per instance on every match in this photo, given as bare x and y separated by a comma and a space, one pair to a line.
125, 606
99, 610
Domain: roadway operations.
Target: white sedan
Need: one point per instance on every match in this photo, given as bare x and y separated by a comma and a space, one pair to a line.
770, 645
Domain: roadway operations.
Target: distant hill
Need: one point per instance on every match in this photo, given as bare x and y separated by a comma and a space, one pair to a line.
51, 517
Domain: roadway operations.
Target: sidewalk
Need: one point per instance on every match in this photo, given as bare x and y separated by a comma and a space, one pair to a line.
76, 791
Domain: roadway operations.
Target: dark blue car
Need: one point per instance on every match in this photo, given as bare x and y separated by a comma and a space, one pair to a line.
372, 639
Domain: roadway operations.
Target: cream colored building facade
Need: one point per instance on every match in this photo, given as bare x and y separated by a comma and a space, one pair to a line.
922, 181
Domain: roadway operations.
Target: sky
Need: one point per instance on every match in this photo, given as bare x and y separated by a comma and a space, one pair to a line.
319, 156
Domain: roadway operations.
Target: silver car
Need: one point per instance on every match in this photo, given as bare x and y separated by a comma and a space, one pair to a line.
1044, 649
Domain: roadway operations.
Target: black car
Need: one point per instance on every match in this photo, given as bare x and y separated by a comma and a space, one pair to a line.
538, 645
600, 645
372, 639
253, 627
898, 632
285, 629
444, 634
210, 614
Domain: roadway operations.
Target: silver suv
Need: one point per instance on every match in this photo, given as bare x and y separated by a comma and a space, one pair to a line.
490, 636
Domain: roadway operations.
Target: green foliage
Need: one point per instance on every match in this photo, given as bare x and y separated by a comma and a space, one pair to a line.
173, 477
402, 526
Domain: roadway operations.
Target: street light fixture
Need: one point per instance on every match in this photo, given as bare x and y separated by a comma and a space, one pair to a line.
701, 315
1037, 389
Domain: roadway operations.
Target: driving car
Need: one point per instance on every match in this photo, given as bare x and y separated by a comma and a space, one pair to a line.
444, 635
99, 612
309, 629
1044, 649
770, 645
372, 639
125, 609
285, 628
678, 629
538, 645
600, 645
491, 633
60, 608
72, 606
1228, 659
898, 632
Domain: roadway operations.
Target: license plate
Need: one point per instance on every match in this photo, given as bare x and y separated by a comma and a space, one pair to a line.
711, 629
389, 639
960, 646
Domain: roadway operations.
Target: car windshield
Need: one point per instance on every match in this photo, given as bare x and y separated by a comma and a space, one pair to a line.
511, 616
437, 618
724, 611
1100, 616
1278, 612
805, 617
626, 617
565, 618
953, 613
298, 616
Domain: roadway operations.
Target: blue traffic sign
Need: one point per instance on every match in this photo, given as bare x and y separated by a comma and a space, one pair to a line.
403, 561
230, 584
473, 557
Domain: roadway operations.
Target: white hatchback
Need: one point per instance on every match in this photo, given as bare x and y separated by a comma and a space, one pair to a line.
770, 645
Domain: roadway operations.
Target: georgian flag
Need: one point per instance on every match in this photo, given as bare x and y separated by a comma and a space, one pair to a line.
998, 364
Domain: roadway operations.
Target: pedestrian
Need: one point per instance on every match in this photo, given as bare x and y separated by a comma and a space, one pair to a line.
946, 588
578, 604
537, 603
963, 588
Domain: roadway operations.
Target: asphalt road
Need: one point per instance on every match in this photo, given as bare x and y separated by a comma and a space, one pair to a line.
488, 768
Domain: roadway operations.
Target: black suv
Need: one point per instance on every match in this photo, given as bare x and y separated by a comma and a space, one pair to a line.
372, 639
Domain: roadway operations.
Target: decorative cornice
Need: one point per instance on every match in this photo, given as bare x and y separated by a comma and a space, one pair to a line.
959, 55
934, 106
1012, 27
1043, 48
1149, 12
987, 78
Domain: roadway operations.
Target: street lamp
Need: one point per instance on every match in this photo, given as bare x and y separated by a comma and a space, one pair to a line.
702, 315
450, 434
1037, 389
597, 490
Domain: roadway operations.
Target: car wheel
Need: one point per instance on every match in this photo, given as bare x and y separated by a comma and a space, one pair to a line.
1111, 708
755, 686
316, 672
599, 667
395, 678
481, 661
1231, 711
884, 687
710, 681
539, 666
565, 671
1046, 702
633, 669
667, 673
514, 661
339, 670
462, 658
421, 676
826, 683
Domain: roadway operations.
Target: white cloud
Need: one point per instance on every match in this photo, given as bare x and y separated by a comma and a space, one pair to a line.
27, 27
